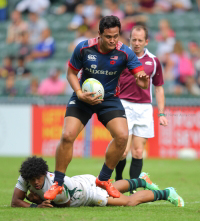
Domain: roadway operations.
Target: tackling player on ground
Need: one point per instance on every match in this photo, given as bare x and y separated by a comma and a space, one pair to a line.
102, 58
82, 190
137, 102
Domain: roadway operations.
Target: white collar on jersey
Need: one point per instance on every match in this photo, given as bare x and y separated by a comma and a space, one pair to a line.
145, 52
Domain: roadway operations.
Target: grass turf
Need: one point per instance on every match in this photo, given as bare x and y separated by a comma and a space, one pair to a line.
181, 174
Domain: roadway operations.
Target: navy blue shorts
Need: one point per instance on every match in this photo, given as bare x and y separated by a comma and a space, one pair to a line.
109, 109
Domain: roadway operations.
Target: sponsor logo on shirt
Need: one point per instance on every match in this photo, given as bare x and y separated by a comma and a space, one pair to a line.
94, 66
114, 57
99, 202
92, 71
92, 57
148, 63
112, 62
72, 102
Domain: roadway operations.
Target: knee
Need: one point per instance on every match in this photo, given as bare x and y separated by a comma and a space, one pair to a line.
138, 152
122, 138
67, 137
131, 203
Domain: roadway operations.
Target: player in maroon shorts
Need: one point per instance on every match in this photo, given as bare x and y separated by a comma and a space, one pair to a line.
137, 102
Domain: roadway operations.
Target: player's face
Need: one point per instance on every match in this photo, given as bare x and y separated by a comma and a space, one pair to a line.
37, 182
109, 39
138, 41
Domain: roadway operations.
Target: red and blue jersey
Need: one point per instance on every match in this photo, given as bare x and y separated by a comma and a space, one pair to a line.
105, 67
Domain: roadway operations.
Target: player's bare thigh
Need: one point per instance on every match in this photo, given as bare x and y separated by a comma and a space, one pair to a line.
72, 127
118, 126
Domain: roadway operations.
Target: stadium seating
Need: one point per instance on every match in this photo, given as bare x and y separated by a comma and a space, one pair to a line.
186, 26
2, 84
22, 86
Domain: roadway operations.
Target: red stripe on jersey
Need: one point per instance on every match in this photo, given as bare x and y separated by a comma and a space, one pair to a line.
124, 53
92, 42
81, 73
119, 45
136, 70
72, 67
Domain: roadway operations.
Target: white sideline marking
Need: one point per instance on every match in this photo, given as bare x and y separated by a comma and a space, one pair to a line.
160, 203
195, 202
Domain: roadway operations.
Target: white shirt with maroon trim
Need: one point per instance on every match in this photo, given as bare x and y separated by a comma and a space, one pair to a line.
130, 91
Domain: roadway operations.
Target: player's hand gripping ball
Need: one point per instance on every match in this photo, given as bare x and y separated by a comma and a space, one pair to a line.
93, 85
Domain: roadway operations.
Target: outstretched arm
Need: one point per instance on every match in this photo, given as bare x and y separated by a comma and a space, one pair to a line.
142, 79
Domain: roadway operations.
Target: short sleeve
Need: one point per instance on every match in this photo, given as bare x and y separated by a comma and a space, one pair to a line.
22, 184
76, 61
158, 77
133, 64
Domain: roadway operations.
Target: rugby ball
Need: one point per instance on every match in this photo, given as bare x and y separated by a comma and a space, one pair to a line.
93, 85
187, 153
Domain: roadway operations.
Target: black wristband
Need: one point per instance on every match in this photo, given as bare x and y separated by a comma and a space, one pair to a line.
33, 205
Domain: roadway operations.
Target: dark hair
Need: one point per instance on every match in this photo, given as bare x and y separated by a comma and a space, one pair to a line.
21, 58
33, 167
138, 28
109, 22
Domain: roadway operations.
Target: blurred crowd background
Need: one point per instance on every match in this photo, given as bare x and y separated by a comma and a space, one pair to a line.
37, 38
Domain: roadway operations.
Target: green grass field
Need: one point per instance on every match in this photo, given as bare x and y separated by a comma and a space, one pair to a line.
182, 174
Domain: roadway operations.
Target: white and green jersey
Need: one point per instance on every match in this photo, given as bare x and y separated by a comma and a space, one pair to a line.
80, 190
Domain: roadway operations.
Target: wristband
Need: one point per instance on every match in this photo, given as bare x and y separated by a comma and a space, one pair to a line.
33, 205
161, 115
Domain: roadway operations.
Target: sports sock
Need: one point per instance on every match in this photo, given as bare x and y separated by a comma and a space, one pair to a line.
119, 169
59, 177
105, 173
160, 194
135, 183
135, 168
